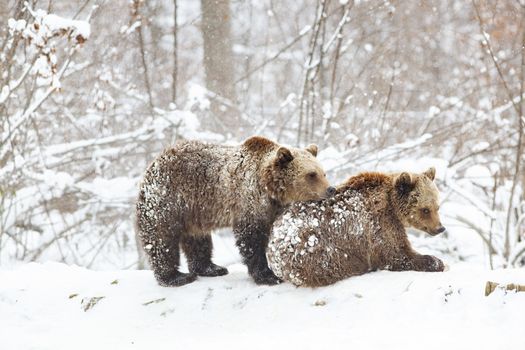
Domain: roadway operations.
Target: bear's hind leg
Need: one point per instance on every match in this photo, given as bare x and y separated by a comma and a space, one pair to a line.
198, 250
164, 259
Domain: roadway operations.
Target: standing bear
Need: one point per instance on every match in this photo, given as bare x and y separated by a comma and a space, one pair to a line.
360, 229
194, 188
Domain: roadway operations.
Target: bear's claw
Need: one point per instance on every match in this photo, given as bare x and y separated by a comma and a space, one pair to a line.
212, 270
267, 278
434, 264
177, 280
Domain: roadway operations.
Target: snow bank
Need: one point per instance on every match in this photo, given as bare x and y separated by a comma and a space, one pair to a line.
42, 306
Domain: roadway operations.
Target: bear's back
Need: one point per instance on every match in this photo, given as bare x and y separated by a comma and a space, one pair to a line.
195, 182
318, 243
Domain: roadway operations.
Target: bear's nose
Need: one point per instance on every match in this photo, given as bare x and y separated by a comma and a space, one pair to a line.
330, 191
441, 229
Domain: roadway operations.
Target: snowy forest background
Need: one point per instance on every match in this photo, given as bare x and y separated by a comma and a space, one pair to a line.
90, 94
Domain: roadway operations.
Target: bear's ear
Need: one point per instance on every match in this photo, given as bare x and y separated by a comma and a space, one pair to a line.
312, 149
284, 156
404, 183
430, 173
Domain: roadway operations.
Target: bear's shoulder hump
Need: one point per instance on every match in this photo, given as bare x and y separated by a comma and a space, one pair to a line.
259, 144
366, 180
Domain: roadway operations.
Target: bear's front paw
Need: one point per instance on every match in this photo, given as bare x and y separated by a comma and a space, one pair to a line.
433, 264
266, 277
211, 270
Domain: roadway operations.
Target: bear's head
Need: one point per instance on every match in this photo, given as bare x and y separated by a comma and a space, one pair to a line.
417, 199
293, 174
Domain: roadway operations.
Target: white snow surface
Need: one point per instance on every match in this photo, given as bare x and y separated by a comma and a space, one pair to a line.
41, 308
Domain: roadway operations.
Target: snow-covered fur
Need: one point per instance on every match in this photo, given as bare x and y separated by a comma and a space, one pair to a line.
194, 188
360, 229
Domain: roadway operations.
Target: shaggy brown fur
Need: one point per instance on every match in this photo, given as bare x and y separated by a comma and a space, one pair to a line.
194, 188
360, 229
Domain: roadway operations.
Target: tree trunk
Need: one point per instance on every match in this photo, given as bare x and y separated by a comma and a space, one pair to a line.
175, 57
218, 59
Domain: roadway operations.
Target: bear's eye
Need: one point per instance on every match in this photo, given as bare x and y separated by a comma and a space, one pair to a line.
425, 211
312, 175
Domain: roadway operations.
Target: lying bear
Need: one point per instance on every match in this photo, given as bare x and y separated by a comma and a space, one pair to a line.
360, 229
194, 188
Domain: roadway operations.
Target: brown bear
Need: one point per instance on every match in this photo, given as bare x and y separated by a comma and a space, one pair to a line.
195, 187
360, 229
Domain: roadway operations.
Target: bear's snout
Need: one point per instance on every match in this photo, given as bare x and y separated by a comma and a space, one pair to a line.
330, 191
440, 230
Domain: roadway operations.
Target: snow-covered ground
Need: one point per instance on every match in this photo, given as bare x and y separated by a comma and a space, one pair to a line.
42, 306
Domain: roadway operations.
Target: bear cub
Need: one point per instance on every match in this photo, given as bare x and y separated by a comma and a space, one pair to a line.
194, 188
360, 229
